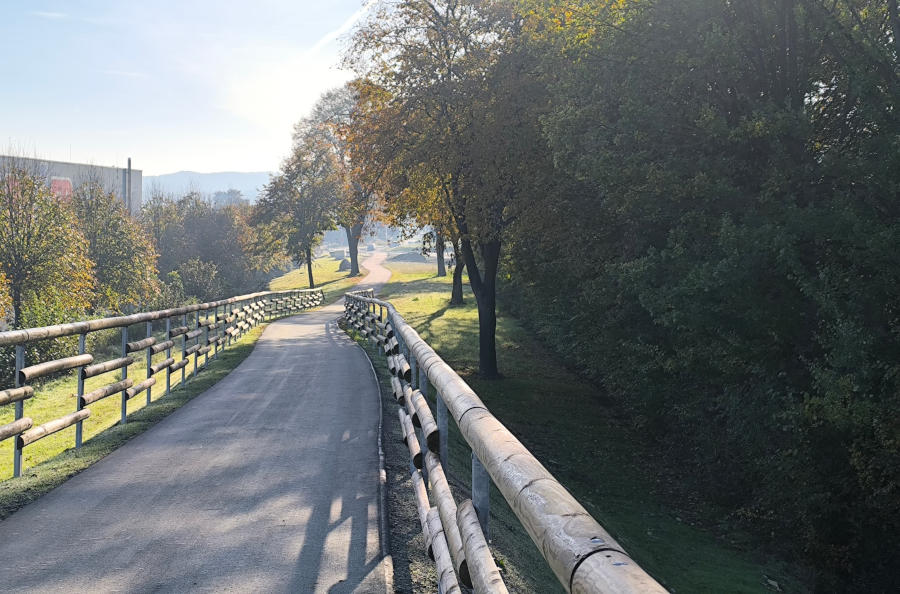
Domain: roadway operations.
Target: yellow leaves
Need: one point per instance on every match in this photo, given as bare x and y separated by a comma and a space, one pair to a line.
5, 298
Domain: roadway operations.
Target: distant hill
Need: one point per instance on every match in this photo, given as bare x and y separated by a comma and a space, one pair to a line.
248, 183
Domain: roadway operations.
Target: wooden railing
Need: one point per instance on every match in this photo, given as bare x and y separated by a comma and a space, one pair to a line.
200, 330
584, 557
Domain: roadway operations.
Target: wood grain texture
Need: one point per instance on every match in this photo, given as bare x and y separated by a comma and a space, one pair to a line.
15, 428
485, 576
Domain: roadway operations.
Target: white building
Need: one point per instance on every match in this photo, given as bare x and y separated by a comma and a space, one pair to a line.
64, 177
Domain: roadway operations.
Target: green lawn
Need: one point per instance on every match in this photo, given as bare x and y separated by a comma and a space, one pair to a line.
52, 460
586, 442
325, 275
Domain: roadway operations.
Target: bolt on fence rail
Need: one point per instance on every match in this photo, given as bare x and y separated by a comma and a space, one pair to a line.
584, 557
200, 330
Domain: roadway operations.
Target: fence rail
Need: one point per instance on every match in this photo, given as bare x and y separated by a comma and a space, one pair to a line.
584, 556
200, 330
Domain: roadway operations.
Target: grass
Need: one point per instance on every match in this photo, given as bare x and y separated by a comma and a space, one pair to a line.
588, 444
325, 274
52, 460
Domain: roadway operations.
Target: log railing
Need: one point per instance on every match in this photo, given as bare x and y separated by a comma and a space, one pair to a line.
584, 556
195, 331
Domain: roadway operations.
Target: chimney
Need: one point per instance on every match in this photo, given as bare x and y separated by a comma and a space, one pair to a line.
128, 197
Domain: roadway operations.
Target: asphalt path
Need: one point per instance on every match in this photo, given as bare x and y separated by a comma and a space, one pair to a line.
267, 482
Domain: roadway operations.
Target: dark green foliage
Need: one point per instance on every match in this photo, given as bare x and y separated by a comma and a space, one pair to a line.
722, 255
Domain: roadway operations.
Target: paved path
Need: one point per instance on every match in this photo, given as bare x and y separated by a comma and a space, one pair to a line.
267, 482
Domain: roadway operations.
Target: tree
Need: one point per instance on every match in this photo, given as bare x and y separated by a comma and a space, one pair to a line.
734, 166
190, 227
124, 258
297, 205
199, 279
439, 64
329, 125
410, 193
43, 255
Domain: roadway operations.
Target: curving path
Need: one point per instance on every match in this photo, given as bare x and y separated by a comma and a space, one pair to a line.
267, 482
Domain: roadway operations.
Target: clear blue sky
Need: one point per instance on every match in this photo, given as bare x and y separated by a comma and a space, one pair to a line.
208, 85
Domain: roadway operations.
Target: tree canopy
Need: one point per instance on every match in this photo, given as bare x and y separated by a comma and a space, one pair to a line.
695, 203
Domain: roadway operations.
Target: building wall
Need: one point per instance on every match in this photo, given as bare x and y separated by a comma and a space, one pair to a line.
64, 177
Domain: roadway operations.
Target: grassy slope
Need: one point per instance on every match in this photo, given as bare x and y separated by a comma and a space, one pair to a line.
57, 460
585, 442
326, 276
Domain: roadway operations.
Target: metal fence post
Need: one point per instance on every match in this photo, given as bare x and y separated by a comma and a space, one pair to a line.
183, 348
443, 417
168, 354
196, 356
205, 336
124, 374
20, 411
481, 495
216, 322
149, 357
80, 390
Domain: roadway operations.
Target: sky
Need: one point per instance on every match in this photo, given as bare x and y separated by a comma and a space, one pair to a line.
198, 85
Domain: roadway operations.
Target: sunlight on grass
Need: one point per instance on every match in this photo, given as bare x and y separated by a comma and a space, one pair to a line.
326, 276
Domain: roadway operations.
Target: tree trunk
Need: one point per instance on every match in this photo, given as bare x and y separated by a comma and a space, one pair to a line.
312, 284
353, 233
17, 307
485, 290
456, 293
439, 251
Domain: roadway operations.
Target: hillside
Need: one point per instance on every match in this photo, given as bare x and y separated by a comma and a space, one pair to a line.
249, 183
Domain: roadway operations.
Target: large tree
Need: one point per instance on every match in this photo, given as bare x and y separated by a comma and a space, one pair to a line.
328, 126
298, 205
439, 64
411, 194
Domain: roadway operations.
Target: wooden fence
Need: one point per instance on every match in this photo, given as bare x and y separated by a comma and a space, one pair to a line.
584, 557
200, 330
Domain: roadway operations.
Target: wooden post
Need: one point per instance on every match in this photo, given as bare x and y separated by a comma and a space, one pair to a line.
481, 495
124, 375
20, 411
414, 377
149, 358
80, 390
168, 354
